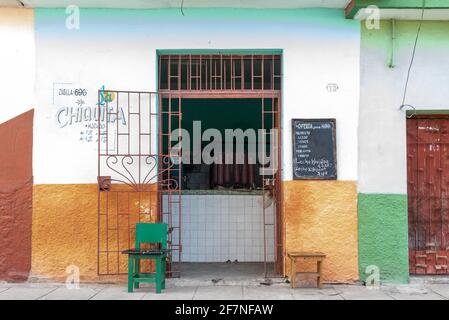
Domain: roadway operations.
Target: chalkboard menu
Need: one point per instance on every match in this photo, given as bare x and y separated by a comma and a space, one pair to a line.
314, 149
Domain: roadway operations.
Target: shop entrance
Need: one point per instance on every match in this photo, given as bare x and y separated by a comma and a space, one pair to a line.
227, 208
428, 193
231, 211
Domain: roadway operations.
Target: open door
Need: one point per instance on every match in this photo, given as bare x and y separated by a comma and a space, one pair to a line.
272, 179
137, 180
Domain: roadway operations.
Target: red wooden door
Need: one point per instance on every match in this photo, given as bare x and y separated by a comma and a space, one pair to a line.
428, 193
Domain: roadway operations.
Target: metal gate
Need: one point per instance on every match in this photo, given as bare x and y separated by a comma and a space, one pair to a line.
138, 180
428, 194
272, 199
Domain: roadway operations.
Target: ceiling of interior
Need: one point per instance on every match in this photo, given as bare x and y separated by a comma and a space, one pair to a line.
176, 3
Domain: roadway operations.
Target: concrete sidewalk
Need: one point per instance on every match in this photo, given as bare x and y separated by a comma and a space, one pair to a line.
57, 291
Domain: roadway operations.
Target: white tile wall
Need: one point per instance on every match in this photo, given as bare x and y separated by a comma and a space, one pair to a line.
217, 228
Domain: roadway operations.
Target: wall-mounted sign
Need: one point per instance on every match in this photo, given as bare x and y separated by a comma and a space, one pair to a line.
314, 149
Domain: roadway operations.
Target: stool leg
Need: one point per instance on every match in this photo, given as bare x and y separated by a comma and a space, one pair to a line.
319, 279
130, 273
293, 273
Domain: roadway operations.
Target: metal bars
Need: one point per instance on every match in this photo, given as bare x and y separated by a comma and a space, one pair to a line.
138, 181
219, 73
272, 198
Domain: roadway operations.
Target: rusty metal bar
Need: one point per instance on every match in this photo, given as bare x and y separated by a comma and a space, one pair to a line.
232, 75
201, 74
262, 77
98, 175
242, 74
169, 74
252, 72
215, 94
140, 142
179, 73
210, 74
263, 193
179, 177
149, 123
160, 163
189, 78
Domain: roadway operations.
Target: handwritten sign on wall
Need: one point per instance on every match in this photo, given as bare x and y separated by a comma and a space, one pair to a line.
314, 149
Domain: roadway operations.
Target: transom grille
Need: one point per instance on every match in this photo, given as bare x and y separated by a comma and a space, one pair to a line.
219, 72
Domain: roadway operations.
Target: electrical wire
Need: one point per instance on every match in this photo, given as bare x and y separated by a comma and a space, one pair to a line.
182, 7
413, 58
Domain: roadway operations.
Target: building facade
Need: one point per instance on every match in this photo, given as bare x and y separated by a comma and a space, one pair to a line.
331, 66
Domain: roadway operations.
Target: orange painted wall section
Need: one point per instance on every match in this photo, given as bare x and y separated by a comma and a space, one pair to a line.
322, 216
319, 216
65, 220
65, 231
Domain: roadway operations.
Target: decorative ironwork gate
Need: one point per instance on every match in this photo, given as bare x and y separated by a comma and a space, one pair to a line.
428, 194
138, 180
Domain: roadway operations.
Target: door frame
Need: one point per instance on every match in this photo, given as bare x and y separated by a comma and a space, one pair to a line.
279, 249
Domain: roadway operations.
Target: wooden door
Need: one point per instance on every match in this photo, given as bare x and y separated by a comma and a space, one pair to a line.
428, 193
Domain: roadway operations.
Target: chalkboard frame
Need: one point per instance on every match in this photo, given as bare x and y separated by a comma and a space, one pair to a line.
334, 146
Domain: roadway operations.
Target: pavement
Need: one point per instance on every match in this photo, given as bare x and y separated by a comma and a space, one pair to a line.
416, 290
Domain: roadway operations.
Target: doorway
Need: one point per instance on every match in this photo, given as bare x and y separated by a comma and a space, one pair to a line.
230, 214
428, 193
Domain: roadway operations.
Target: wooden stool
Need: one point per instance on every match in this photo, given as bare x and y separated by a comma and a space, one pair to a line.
306, 256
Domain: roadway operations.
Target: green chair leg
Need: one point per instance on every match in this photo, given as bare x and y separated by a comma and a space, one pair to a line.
158, 275
136, 271
164, 266
130, 273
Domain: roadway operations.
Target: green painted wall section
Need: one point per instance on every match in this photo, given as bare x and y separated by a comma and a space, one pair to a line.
383, 236
395, 4
434, 35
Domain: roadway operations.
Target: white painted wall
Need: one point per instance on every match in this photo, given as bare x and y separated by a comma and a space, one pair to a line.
17, 62
382, 126
118, 49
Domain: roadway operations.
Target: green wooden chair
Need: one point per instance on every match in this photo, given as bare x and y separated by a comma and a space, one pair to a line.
148, 233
